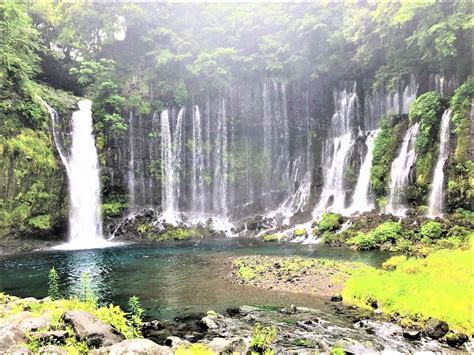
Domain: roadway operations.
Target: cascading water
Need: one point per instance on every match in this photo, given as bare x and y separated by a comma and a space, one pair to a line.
400, 172
436, 199
198, 193
168, 178
82, 167
333, 194
361, 201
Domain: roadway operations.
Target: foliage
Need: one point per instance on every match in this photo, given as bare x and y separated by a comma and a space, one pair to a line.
113, 209
384, 150
53, 284
262, 338
136, 313
299, 232
439, 286
387, 231
330, 222
426, 110
431, 230
337, 351
271, 237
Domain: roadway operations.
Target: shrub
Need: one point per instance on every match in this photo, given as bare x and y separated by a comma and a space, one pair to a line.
431, 230
87, 295
330, 222
363, 241
262, 338
136, 313
387, 231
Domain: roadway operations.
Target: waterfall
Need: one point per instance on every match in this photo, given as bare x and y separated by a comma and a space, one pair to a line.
220, 160
198, 193
333, 194
168, 178
85, 224
82, 168
361, 201
400, 172
131, 164
436, 199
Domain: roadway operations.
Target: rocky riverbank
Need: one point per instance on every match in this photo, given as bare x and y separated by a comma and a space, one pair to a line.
32, 326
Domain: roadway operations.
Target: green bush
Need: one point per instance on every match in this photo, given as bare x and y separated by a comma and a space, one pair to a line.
430, 231
330, 222
387, 231
363, 241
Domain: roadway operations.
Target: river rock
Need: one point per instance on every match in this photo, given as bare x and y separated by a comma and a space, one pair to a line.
228, 346
52, 350
412, 334
91, 330
32, 324
133, 347
436, 328
10, 335
456, 339
290, 310
336, 298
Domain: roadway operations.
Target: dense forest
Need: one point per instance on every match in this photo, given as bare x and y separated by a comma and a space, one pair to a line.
341, 124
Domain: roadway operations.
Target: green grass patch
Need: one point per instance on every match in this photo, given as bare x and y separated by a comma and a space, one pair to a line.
439, 286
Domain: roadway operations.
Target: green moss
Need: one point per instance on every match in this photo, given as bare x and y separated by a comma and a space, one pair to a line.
387, 231
299, 232
330, 222
270, 238
194, 349
385, 147
337, 351
393, 262
439, 286
461, 170
180, 234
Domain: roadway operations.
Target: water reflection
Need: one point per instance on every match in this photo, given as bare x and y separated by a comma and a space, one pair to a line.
169, 280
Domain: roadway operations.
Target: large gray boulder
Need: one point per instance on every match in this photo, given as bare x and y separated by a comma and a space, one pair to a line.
90, 329
10, 335
133, 347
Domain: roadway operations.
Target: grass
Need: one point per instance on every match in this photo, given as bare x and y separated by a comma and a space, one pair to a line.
439, 286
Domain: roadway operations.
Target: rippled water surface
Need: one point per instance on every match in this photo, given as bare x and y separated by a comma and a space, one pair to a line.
170, 280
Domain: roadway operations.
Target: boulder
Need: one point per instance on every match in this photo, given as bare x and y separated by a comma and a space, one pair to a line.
228, 346
290, 310
90, 329
436, 328
32, 324
18, 350
52, 350
133, 347
10, 335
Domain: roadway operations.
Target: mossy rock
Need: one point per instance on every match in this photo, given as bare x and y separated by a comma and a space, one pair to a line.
271, 238
299, 232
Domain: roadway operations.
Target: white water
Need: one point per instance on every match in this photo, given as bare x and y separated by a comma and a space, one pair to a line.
131, 166
346, 104
361, 200
436, 199
168, 196
85, 223
400, 172
198, 193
